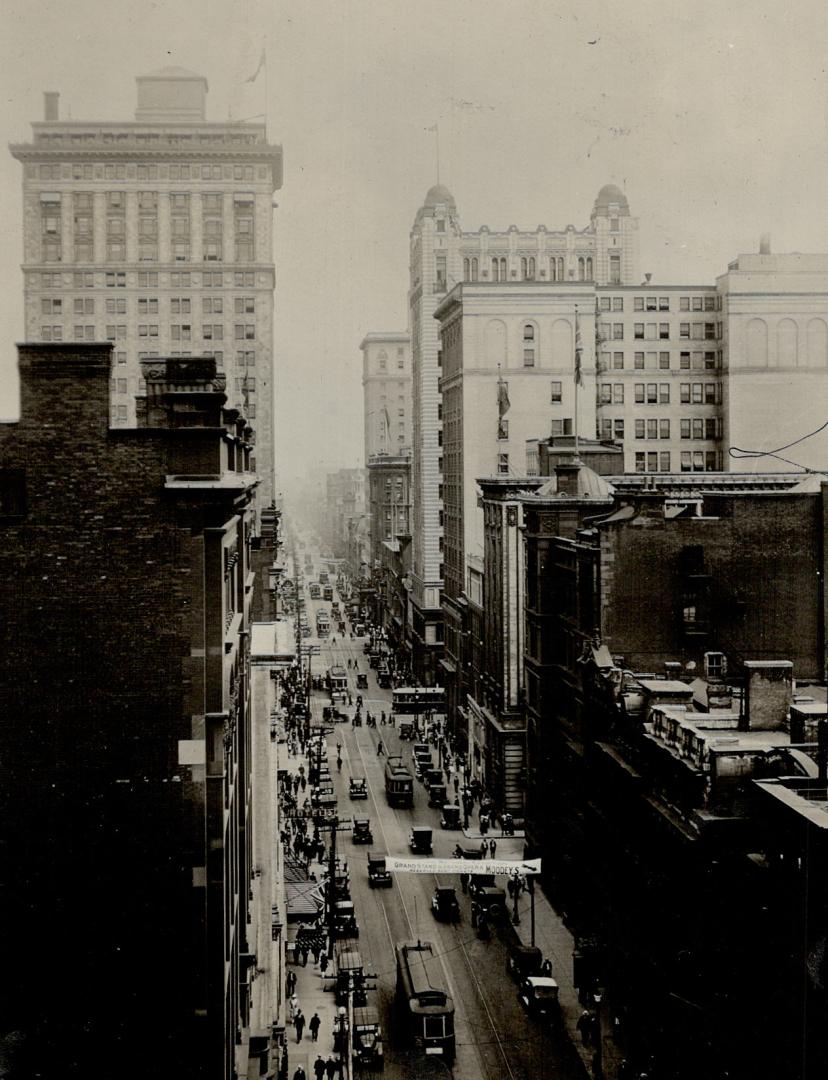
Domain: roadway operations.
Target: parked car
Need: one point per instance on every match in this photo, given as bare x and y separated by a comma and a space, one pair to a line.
539, 996
450, 818
378, 876
367, 1040
419, 840
345, 924
437, 795
362, 681
405, 729
361, 832
523, 961
491, 901
444, 904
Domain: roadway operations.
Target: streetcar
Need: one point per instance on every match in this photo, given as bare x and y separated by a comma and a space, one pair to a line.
407, 700
337, 681
424, 1005
323, 623
399, 783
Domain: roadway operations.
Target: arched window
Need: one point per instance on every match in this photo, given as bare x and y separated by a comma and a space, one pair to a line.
560, 269
524, 267
503, 275
466, 270
553, 268
589, 269
817, 343
495, 269
787, 341
532, 268
474, 269
581, 269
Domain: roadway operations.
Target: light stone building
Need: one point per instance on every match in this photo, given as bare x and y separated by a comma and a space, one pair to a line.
386, 388
441, 256
156, 235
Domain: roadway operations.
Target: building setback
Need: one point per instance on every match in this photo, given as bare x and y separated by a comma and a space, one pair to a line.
156, 235
125, 709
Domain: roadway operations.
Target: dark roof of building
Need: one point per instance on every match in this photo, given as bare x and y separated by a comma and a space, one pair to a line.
439, 194
609, 193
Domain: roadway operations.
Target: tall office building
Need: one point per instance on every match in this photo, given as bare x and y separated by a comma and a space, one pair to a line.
156, 235
605, 252
386, 389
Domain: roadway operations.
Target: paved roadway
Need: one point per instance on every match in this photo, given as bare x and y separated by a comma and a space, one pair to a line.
495, 1039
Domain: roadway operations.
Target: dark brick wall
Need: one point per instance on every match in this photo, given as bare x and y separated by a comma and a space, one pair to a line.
102, 602
764, 559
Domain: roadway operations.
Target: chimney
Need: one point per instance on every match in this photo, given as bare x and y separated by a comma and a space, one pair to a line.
51, 110
765, 244
768, 692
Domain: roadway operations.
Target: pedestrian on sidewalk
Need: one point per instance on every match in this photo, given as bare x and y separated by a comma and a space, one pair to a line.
323, 962
291, 983
303, 952
484, 849
585, 1027
546, 969
299, 1024
315, 951
484, 824
492, 847
313, 1027
299, 1074
319, 1067
331, 1067
294, 1007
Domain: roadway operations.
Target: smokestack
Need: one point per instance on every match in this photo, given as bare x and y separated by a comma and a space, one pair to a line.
50, 106
764, 244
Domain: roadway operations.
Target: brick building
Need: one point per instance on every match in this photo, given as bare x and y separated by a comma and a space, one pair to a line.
126, 861
658, 687
156, 234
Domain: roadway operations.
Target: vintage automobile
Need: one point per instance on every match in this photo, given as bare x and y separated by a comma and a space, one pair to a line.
468, 853
367, 1038
539, 996
378, 876
432, 777
345, 924
523, 961
405, 729
384, 676
450, 818
362, 680
421, 747
444, 904
361, 832
357, 787
490, 901
437, 795
324, 805
419, 840
320, 792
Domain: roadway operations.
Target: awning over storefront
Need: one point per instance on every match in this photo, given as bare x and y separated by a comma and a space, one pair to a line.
303, 900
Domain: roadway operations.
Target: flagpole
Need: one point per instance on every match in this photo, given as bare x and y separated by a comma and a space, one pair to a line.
577, 380
266, 88
437, 140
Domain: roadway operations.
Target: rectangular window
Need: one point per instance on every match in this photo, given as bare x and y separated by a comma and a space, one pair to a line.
698, 303
604, 304
663, 330
651, 331
638, 330
710, 331
710, 461
684, 330
618, 303
640, 429
698, 391
664, 429
710, 428
664, 361
618, 429
180, 305
618, 361
686, 461
605, 397
638, 303
664, 393
652, 429
640, 461
528, 357
639, 393
638, 362
652, 461
121, 413
710, 393
618, 393
664, 303
685, 429
710, 303
615, 269
557, 395
698, 429
698, 461
652, 393
664, 460
684, 393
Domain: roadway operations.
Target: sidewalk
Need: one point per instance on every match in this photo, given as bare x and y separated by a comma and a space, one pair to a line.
558, 944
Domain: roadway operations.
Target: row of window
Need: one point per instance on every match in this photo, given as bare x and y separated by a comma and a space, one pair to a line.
699, 428
145, 279
180, 251
210, 305
658, 393
700, 331
688, 361
92, 171
212, 203
178, 332
690, 461
497, 269
661, 303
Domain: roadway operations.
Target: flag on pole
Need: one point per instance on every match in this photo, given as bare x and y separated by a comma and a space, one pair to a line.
261, 64
579, 348
503, 403
387, 422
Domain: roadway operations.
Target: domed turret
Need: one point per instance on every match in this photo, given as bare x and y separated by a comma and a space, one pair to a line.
439, 195
609, 195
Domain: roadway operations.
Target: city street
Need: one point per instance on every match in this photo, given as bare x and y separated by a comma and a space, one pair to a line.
494, 1037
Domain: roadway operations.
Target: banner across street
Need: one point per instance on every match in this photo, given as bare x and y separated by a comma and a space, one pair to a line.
461, 866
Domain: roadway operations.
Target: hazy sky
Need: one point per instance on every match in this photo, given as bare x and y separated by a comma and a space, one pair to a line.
711, 116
